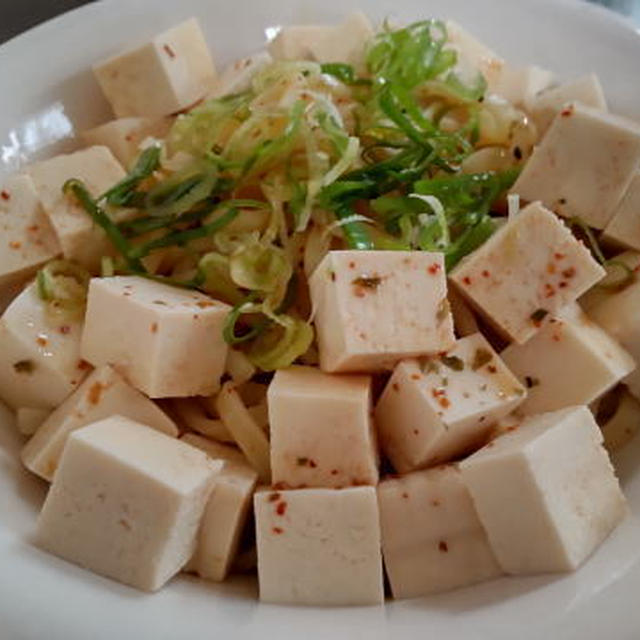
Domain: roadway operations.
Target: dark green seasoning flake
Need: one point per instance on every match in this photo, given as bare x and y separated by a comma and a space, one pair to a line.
453, 362
480, 358
368, 282
24, 366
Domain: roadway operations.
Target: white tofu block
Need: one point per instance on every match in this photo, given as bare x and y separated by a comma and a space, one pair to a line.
40, 364
104, 393
81, 240
345, 42
374, 308
319, 547
434, 410
215, 449
432, 539
570, 361
321, 429
545, 492
547, 105
28, 239
618, 415
618, 315
606, 288
125, 136
166, 341
530, 268
237, 76
624, 227
226, 514
583, 165
520, 86
29, 419
126, 502
171, 72
474, 55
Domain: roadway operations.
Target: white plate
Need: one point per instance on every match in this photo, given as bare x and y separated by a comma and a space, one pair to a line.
47, 95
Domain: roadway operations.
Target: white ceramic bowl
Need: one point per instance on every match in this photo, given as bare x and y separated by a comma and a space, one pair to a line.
47, 95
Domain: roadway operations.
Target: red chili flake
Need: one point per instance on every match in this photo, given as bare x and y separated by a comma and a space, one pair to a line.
551, 268
170, 52
445, 403
203, 304
333, 276
416, 432
154, 327
33, 228
64, 329
281, 508
569, 273
128, 137
485, 274
555, 337
435, 502
415, 376
549, 290
274, 497
443, 546
405, 495
568, 111
466, 280
563, 285
334, 472
95, 392
559, 256
5, 194
280, 486
42, 341
395, 386
14, 244
492, 369
434, 268
277, 530
352, 265
83, 365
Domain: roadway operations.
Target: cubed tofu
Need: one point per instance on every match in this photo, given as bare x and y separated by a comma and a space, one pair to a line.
80, 238
125, 136
570, 361
618, 276
319, 546
103, 393
171, 72
520, 86
547, 105
237, 76
28, 239
583, 165
618, 315
432, 539
345, 42
226, 514
321, 429
545, 492
436, 409
166, 341
473, 55
618, 414
624, 227
29, 419
40, 364
530, 268
374, 308
127, 502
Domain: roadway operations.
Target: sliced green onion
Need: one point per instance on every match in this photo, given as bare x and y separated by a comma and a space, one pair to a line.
281, 344
124, 192
216, 279
619, 275
63, 285
345, 73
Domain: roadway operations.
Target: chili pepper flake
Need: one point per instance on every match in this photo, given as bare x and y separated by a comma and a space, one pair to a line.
274, 497
277, 530
169, 51
24, 366
281, 508
443, 546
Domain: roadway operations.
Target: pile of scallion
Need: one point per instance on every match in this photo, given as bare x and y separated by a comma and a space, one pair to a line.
248, 191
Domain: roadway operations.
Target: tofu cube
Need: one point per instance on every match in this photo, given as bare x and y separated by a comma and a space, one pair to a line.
125, 136
166, 341
321, 429
237, 76
618, 315
432, 539
226, 514
81, 240
583, 165
40, 364
545, 492
171, 72
520, 86
624, 227
437, 409
126, 502
29, 419
570, 361
586, 90
28, 239
345, 42
530, 268
374, 308
319, 547
103, 394
474, 56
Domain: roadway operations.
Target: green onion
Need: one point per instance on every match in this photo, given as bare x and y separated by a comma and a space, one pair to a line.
63, 285
124, 193
281, 344
345, 73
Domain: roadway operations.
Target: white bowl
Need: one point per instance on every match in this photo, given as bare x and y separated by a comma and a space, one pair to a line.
47, 95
